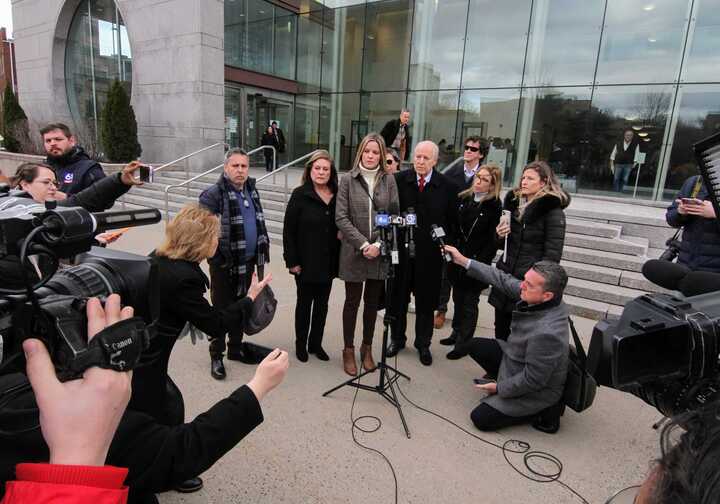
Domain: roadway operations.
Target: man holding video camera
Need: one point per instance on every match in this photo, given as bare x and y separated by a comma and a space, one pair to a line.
434, 199
531, 366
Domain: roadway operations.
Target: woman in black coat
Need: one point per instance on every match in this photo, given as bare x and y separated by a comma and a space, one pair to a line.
479, 213
536, 232
269, 138
311, 250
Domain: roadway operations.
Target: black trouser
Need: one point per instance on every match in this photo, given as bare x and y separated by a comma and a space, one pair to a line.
269, 162
445, 287
353, 294
487, 353
503, 319
423, 324
466, 297
223, 292
311, 298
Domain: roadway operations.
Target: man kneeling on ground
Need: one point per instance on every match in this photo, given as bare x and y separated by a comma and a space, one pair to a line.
531, 366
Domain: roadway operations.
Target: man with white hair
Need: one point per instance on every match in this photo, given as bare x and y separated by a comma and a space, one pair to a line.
434, 199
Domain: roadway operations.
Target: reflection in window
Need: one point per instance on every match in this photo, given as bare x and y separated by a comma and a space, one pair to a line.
564, 42
344, 30
553, 129
703, 61
644, 109
387, 42
260, 37
97, 53
642, 41
496, 40
438, 40
309, 52
232, 116
434, 117
698, 118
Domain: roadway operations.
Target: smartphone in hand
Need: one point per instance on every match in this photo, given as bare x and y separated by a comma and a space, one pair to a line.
691, 201
146, 173
482, 381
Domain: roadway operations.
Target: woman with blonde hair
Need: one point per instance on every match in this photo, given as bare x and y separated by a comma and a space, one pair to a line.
479, 210
536, 232
311, 249
364, 191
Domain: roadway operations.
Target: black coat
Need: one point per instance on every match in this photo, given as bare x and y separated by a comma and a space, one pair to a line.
269, 139
180, 287
158, 456
390, 131
437, 204
476, 235
700, 245
539, 235
76, 171
310, 236
456, 174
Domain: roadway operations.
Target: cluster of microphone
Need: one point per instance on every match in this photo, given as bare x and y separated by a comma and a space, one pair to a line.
389, 225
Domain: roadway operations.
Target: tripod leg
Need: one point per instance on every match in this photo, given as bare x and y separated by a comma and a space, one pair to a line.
400, 411
347, 383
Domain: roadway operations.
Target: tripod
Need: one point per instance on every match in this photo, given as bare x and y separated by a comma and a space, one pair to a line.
388, 374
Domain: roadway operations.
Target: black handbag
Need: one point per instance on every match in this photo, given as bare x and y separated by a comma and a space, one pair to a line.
673, 248
580, 386
262, 312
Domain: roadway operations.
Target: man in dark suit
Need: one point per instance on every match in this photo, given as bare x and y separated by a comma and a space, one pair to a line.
434, 199
396, 134
476, 149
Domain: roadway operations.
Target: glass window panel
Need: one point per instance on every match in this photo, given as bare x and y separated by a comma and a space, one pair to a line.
235, 32
437, 44
553, 128
642, 41
308, 52
433, 116
97, 53
496, 40
284, 49
232, 116
565, 35
491, 114
344, 109
387, 45
644, 109
344, 31
703, 61
376, 109
305, 132
698, 118
259, 36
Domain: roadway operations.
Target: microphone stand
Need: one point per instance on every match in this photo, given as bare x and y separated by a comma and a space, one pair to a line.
388, 374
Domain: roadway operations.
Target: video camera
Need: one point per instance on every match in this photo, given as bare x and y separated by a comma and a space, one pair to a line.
663, 349
389, 226
53, 309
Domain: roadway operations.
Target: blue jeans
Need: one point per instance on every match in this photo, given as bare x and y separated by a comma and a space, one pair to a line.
622, 174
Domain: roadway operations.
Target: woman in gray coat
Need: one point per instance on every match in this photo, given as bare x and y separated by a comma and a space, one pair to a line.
364, 191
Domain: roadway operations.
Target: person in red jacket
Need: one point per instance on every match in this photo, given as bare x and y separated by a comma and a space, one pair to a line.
78, 420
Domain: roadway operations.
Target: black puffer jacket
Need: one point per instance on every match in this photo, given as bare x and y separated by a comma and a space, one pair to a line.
539, 235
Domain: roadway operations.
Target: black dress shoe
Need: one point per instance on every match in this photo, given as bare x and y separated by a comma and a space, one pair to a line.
450, 340
248, 353
548, 420
190, 486
217, 369
425, 356
301, 351
455, 354
319, 353
394, 347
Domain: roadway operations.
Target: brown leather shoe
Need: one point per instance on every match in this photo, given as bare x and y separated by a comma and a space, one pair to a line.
349, 361
439, 320
366, 358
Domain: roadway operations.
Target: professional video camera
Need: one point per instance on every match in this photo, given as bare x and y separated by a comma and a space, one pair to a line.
53, 309
389, 226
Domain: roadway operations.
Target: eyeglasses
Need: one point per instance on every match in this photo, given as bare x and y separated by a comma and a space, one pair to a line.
471, 148
391, 161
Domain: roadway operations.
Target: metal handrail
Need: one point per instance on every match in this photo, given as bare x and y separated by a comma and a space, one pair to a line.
283, 169
447, 167
188, 156
207, 172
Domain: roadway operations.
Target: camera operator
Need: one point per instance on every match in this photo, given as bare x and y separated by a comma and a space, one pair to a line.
78, 420
35, 184
434, 199
531, 366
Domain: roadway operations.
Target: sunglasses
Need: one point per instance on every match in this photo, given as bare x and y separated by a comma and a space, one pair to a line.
471, 148
391, 161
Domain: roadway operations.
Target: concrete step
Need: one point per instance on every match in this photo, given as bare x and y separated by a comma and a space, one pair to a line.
595, 291
617, 245
611, 260
592, 228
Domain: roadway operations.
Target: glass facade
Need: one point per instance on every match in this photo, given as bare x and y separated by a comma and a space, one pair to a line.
554, 80
97, 53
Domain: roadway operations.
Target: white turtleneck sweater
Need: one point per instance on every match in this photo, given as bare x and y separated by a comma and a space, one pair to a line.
370, 176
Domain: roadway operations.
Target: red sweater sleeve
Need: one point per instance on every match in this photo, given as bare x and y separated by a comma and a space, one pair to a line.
48, 483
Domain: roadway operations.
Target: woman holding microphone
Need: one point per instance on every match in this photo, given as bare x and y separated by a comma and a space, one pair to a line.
535, 232
310, 249
366, 190
479, 213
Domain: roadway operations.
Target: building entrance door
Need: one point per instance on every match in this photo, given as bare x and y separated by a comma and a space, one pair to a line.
262, 110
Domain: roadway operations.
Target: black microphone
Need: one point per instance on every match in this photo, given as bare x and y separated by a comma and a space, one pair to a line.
411, 224
125, 218
438, 234
394, 254
673, 276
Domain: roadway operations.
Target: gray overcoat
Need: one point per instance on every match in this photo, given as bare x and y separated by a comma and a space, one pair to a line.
353, 221
535, 356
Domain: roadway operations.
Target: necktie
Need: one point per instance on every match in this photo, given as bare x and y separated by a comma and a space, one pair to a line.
421, 184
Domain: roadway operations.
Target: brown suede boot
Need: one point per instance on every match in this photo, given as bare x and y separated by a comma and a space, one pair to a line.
366, 357
349, 361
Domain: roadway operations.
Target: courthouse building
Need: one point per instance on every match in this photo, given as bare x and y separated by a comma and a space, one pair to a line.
558, 80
